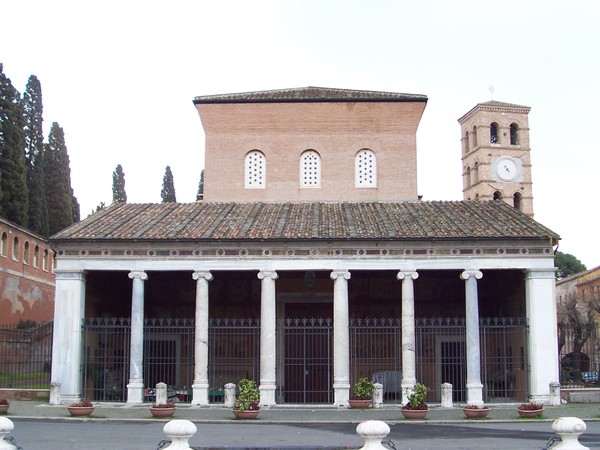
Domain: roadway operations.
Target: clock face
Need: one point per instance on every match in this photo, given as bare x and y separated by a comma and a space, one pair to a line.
507, 169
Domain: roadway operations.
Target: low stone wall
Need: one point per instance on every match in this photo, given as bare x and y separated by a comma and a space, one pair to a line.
25, 394
581, 395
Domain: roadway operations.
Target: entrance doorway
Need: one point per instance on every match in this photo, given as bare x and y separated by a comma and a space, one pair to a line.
453, 366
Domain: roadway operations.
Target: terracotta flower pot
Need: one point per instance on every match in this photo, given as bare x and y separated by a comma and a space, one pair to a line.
413, 414
247, 414
477, 413
80, 411
530, 413
4, 409
359, 403
162, 412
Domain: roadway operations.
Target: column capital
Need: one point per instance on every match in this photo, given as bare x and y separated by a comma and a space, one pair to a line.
335, 274
407, 273
549, 273
70, 275
471, 273
202, 274
263, 274
138, 274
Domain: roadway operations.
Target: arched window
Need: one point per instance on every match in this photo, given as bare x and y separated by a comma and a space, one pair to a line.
517, 200
4, 245
514, 134
474, 136
310, 169
466, 143
365, 169
45, 260
494, 133
255, 170
36, 256
15, 249
468, 176
475, 177
26, 252
497, 195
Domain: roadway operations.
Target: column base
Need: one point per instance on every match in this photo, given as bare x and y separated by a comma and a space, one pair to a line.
540, 399
341, 394
267, 394
406, 385
67, 399
135, 392
200, 394
475, 394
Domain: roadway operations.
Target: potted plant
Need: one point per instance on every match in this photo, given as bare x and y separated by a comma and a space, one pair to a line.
81, 409
247, 401
530, 409
163, 409
476, 411
4, 405
363, 393
415, 408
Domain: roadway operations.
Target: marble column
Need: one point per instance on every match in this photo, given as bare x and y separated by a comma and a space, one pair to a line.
543, 339
69, 305
135, 387
409, 377
268, 347
200, 386
341, 338
474, 385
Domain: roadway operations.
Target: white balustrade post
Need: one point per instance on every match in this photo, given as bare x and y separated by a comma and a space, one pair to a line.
135, 387
161, 393
377, 395
200, 385
474, 385
447, 396
341, 338
569, 429
180, 432
373, 432
409, 377
268, 344
229, 395
6, 426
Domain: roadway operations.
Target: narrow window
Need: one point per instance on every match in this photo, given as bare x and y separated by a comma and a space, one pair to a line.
497, 195
36, 256
26, 253
365, 169
255, 170
475, 177
517, 200
466, 143
494, 133
468, 176
474, 136
45, 260
15, 249
310, 169
514, 134
4, 245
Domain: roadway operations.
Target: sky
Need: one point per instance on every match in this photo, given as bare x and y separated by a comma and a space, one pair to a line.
120, 76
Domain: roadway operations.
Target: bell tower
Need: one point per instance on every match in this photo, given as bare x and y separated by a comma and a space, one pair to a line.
496, 159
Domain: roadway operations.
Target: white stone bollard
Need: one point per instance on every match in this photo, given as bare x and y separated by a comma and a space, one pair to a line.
54, 394
229, 395
447, 395
179, 432
373, 431
554, 394
161, 394
6, 426
378, 395
569, 429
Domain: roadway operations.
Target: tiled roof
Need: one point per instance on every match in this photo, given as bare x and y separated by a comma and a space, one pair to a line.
310, 94
293, 221
497, 104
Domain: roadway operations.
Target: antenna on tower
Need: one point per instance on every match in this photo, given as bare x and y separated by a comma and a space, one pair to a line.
491, 89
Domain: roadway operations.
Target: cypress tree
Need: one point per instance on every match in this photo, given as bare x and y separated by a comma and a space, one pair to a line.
168, 188
13, 171
57, 180
34, 152
200, 194
118, 187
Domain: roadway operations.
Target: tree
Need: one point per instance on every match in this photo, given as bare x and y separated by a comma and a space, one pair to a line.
200, 194
13, 172
34, 153
168, 189
57, 181
567, 265
118, 187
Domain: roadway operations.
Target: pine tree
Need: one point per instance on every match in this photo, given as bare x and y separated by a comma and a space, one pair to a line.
34, 153
200, 194
168, 188
118, 187
13, 171
57, 182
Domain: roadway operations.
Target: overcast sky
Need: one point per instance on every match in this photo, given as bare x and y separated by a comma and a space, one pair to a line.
120, 76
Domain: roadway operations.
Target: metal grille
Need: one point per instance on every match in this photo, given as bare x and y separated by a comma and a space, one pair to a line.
579, 351
25, 357
306, 346
234, 353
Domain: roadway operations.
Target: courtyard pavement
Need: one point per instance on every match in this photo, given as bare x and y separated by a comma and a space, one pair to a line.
291, 414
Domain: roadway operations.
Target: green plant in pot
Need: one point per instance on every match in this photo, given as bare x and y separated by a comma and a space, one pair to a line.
415, 407
247, 399
362, 393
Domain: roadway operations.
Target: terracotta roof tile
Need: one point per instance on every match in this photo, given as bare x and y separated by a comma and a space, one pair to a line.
306, 220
